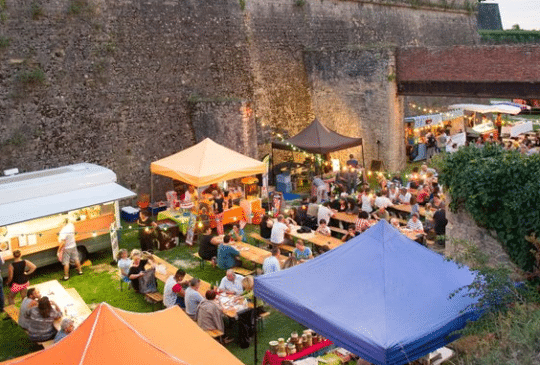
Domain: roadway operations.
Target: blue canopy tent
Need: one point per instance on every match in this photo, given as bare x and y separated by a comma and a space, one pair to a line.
380, 296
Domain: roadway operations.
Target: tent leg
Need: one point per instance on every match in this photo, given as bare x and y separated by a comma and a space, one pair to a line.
255, 331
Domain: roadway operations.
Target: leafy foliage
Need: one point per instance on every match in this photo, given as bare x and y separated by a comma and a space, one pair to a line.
509, 36
501, 191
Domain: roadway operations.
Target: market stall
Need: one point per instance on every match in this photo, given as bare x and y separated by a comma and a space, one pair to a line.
209, 163
417, 127
34, 206
382, 301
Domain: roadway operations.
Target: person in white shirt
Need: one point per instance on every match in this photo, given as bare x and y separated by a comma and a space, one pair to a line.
414, 224
271, 264
404, 196
366, 200
277, 236
232, 283
381, 201
393, 193
325, 212
170, 298
67, 250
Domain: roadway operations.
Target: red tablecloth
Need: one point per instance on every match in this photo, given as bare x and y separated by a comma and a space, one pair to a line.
273, 359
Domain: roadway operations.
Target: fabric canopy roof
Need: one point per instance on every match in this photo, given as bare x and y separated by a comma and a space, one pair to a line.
114, 336
316, 138
207, 163
380, 296
480, 108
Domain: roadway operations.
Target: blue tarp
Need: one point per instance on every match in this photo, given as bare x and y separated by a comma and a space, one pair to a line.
380, 295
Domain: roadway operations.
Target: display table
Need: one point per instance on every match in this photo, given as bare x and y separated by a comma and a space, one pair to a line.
273, 359
232, 215
177, 217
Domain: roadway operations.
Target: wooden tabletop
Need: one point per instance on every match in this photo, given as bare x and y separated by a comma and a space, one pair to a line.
316, 238
344, 217
70, 302
253, 253
406, 208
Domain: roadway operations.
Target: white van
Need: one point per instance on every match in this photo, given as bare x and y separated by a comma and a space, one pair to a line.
33, 207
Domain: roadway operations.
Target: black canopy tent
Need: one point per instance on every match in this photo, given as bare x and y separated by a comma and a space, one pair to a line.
317, 138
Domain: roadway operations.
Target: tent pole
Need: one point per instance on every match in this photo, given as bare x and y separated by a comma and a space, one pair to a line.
151, 188
363, 160
255, 331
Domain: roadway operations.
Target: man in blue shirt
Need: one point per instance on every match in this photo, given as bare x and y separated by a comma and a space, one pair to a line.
301, 252
227, 256
271, 264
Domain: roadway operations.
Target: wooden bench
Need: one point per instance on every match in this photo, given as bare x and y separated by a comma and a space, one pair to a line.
258, 238
46, 344
154, 298
287, 248
201, 260
215, 333
338, 230
242, 271
12, 312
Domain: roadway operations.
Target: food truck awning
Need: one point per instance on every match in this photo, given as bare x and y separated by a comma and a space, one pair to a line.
24, 210
479, 108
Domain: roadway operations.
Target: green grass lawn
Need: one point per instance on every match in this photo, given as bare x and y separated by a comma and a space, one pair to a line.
100, 283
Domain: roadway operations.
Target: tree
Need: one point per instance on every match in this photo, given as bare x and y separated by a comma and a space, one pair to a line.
516, 27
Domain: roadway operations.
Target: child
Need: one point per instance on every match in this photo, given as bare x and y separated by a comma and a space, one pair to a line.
123, 264
324, 229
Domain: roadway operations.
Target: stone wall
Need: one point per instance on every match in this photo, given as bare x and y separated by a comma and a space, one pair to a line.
461, 226
114, 82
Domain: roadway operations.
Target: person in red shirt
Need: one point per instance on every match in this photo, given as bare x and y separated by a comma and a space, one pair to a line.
362, 222
423, 195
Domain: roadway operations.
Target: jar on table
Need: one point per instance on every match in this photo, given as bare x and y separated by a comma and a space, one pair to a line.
291, 349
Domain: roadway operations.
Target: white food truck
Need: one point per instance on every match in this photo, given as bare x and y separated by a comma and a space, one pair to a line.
34, 205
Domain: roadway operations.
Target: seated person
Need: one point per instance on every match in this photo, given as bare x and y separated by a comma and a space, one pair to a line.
351, 233
381, 213
414, 224
193, 297
313, 207
237, 232
40, 320
231, 283
66, 327
352, 208
302, 253
393, 193
271, 264
266, 226
342, 206
124, 263
404, 196
395, 223
279, 229
136, 270
175, 282
227, 256
325, 212
209, 245
32, 297
324, 229
415, 207
362, 222
423, 195
382, 201
436, 202
291, 218
209, 315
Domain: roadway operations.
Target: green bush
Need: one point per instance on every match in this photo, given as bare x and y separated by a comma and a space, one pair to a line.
501, 191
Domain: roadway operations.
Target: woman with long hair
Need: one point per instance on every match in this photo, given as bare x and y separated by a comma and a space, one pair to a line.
41, 320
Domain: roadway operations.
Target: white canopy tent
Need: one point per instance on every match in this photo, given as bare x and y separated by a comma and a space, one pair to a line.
484, 109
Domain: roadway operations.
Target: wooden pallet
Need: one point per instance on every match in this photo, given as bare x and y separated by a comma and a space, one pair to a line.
12, 312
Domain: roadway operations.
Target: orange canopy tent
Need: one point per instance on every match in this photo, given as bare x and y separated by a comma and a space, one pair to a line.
207, 163
114, 336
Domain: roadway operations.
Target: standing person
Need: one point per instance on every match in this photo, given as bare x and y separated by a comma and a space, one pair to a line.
146, 231
322, 189
193, 297
271, 264
170, 297
40, 320
18, 272
67, 250
218, 210
431, 145
439, 226
325, 212
352, 162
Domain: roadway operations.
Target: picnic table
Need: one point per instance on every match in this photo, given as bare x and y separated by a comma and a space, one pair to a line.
316, 238
344, 217
406, 208
69, 301
253, 253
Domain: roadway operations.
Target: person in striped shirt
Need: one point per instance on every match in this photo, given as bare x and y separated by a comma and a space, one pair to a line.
414, 224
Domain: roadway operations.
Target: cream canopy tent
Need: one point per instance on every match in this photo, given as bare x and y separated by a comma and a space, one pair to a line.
114, 336
207, 163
